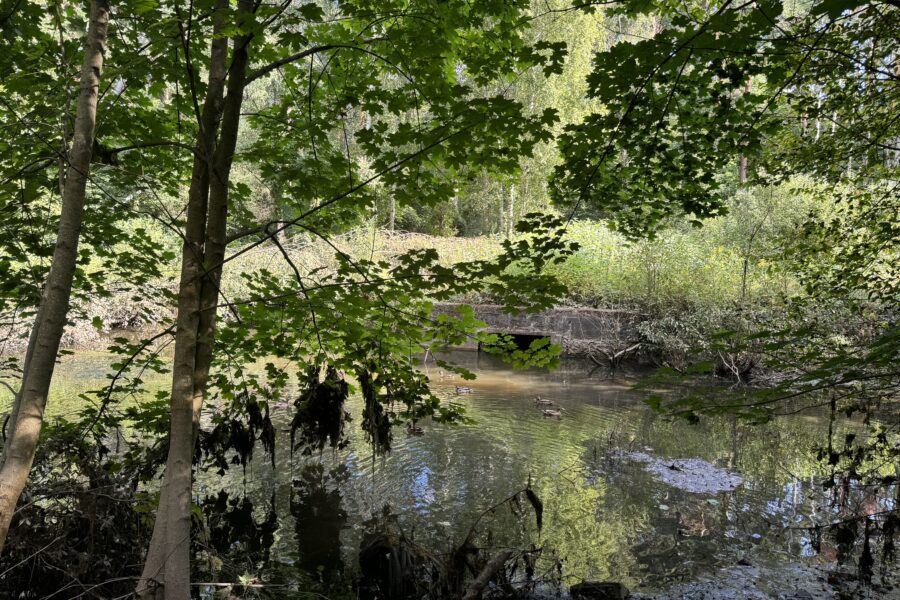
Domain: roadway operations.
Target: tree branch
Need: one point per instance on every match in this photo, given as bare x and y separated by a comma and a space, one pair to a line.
490, 569
268, 233
263, 71
150, 145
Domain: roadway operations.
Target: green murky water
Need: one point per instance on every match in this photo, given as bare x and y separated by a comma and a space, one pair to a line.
610, 509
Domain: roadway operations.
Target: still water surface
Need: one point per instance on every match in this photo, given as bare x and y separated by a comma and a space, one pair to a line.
610, 509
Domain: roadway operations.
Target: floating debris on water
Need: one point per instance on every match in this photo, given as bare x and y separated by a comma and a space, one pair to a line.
688, 474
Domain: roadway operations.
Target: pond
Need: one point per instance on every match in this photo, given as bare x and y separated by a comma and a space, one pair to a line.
627, 494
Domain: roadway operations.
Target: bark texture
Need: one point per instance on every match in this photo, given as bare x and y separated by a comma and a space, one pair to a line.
166, 574
28, 408
217, 219
166, 571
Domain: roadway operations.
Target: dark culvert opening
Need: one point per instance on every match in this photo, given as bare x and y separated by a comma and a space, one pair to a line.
522, 340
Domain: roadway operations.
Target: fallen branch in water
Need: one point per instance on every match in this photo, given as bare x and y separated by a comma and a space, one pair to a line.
613, 360
494, 565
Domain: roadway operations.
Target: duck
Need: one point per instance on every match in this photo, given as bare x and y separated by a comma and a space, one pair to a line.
553, 412
461, 389
413, 429
542, 401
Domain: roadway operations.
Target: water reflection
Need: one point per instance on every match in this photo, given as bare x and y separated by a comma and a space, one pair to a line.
319, 518
235, 533
606, 516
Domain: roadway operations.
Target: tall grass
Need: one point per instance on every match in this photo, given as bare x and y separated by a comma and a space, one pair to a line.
680, 269
310, 253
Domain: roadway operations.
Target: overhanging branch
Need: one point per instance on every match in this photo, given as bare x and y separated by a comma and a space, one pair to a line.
263, 71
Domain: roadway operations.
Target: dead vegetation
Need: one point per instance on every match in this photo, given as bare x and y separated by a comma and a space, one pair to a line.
394, 565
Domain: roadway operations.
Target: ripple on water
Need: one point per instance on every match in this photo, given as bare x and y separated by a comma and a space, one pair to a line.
609, 517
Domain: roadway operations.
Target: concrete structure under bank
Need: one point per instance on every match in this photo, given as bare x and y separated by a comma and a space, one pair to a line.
579, 331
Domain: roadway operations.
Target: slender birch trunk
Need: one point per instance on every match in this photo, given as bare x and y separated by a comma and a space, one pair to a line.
28, 408
511, 211
392, 214
501, 227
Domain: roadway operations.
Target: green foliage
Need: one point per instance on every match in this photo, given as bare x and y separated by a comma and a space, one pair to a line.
371, 320
449, 118
78, 527
712, 85
118, 251
807, 97
852, 251
671, 120
742, 256
540, 352
797, 96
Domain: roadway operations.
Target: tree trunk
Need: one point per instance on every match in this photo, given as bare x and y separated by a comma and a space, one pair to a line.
746, 266
524, 209
818, 115
166, 573
28, 408
501, 227
511, 211
743, 167
167, 568
217, 219
392, 214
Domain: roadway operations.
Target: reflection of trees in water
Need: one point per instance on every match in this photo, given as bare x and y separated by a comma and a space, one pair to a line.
604, 517
318, 520
792, 500
234, 534
858, 525
590, 536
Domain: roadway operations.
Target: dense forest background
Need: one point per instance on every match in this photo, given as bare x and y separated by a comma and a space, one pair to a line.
202, 186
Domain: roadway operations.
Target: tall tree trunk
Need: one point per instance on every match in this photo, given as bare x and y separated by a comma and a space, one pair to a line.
167, 568
524, 208
217, 219
501, 227
818, 115
511, 210
28, 408
166, 573
743, 167
744, 270
392, 214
